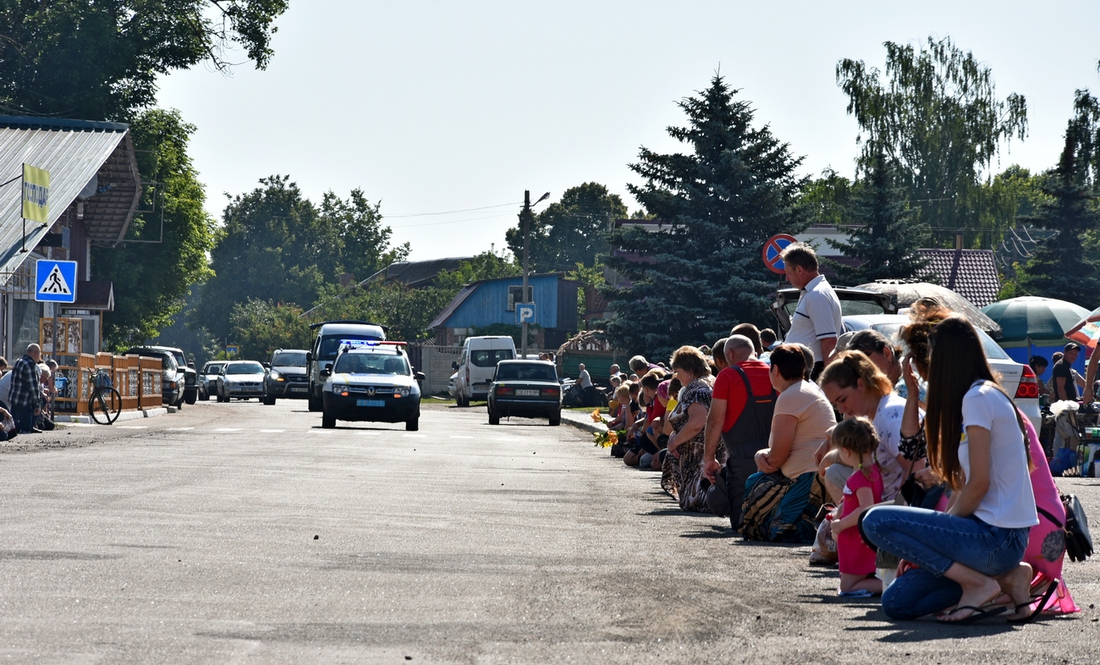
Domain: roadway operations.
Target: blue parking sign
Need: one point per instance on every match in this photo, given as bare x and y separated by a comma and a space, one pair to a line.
55, 281
525, 312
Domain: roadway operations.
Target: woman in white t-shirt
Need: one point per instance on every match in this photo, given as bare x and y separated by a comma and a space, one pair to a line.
856, 387
971, 554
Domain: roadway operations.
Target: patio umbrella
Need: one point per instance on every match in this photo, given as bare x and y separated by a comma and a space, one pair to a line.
1086, 331
906, 293
1031, 320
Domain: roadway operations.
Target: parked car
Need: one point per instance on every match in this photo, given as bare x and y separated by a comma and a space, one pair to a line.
240, 379
373, 382
286, 375
1018, 380
326, 345
853, 302
477, 365
190, 376
527, 388
173, 377
208, 379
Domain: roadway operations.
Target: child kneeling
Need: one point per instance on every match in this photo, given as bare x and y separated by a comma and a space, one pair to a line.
856, 442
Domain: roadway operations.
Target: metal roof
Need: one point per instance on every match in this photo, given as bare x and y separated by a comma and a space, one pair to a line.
74, 152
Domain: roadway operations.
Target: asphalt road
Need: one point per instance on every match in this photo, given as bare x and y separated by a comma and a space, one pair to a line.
239, 533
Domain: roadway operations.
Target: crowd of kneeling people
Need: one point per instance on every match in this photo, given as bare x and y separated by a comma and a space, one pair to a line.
932, 490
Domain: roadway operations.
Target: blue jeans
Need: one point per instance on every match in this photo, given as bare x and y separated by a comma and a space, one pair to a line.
934, 541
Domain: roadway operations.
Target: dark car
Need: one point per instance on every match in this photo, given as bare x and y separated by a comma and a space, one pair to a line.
286, 376
527, 388
173, 378
375, 382
190, 376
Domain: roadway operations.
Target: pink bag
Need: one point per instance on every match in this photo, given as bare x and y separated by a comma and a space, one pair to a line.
1046, 546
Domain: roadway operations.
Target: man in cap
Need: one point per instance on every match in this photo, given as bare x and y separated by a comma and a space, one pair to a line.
1065, 387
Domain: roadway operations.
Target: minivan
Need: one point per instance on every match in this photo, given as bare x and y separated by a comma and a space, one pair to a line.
478, 363
326, 344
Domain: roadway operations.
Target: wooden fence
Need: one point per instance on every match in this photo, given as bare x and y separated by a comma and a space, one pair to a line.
138, 380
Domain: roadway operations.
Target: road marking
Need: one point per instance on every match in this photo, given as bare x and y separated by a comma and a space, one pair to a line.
133, 427
416, 436
456, 436
180, 429
228, 429
320, 431
272, 431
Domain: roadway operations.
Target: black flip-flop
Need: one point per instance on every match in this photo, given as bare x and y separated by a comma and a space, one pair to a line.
1043, 600
979, 613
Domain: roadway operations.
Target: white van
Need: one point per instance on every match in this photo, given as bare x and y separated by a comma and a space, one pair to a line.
477, 365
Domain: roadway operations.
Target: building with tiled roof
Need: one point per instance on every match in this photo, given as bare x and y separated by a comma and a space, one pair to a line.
972, 273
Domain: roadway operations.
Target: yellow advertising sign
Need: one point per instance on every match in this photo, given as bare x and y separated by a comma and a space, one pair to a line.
36, 194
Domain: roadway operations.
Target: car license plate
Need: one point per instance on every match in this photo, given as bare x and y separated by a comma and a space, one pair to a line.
370, 402
297, 389
527, 393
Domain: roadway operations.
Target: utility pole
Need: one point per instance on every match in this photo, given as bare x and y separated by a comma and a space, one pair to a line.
526, 214
526, 232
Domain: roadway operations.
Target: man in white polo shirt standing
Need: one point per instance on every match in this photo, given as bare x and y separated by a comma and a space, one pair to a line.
817, 321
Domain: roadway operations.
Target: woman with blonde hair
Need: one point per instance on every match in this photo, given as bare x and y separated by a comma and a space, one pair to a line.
856, 387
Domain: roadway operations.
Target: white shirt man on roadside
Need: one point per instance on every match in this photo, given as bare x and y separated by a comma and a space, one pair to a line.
817, 320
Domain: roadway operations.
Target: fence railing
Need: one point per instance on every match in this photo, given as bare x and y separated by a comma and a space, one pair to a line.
137, 379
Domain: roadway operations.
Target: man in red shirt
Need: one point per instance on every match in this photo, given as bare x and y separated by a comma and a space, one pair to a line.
740, 416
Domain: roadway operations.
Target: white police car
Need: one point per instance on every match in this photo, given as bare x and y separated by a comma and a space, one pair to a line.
372, 381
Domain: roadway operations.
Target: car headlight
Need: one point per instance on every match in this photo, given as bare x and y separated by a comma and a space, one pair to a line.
401, 391
340, 389
275, 375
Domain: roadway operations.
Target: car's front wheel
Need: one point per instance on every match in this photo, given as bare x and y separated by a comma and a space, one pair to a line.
269, 400
315, 403
327, 421
412, 425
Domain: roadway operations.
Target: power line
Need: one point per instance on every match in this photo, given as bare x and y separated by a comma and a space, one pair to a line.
452, 212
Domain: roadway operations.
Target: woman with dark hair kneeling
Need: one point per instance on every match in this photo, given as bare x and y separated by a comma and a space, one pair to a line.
969, 554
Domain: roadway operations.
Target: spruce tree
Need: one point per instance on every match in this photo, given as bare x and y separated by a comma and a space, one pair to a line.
1067, 264
716, 204
883, 234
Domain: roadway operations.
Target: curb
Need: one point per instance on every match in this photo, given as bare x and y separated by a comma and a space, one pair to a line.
125, 415
584, 422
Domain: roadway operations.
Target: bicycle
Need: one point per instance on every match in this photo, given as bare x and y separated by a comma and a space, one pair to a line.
105, 403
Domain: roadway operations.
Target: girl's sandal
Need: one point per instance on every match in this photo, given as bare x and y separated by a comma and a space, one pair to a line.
1042, 600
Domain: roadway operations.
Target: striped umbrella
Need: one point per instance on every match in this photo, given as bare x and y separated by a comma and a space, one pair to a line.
1086, 331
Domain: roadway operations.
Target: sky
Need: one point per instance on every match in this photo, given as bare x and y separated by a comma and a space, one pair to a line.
446, 112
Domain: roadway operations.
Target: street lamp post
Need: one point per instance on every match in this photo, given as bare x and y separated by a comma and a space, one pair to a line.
527, 214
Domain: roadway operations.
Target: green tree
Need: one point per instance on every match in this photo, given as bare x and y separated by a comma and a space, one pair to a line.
883, 238
277, 246
571, 231
826, 200
154, 268
718, 204
100, 59
262, 253
406, 312
261, 326
938, 117
1066, 265
364, 240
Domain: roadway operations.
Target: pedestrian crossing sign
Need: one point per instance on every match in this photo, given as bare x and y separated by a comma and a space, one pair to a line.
55, 281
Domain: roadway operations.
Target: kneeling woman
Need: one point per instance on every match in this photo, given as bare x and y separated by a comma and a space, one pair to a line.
967, 555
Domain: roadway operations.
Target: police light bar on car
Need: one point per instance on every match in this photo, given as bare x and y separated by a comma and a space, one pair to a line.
349, 344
